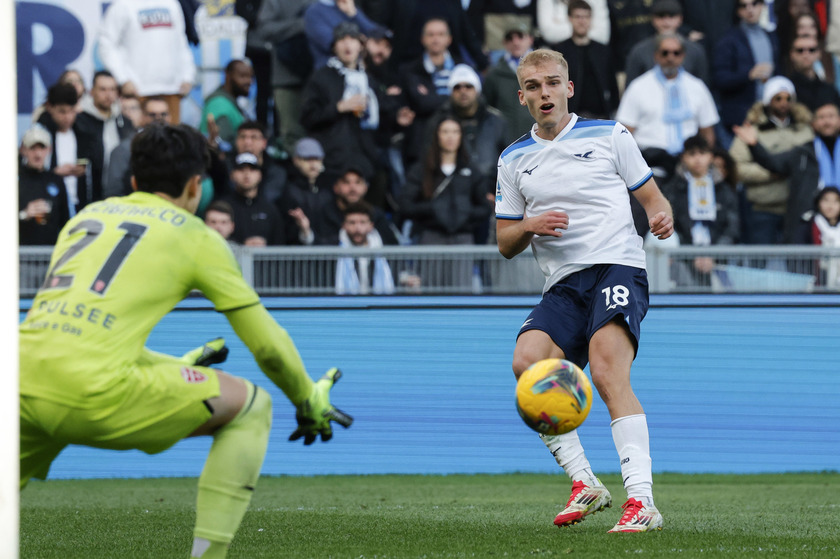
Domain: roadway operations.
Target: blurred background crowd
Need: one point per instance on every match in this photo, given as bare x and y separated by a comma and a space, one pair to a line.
380, 122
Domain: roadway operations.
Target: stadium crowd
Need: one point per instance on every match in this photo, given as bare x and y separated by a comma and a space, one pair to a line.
398, 111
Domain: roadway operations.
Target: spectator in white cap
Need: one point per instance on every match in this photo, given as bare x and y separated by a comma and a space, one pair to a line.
483, 128
463, 74
42, 197
781, 123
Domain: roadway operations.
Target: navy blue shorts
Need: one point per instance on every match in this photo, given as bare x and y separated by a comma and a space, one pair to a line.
580, 304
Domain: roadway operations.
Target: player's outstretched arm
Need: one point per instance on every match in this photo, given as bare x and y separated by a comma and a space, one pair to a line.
279, 359
513, 236
658, 209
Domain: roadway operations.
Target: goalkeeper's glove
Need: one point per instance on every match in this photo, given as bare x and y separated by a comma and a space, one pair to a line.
212, 353
315, 413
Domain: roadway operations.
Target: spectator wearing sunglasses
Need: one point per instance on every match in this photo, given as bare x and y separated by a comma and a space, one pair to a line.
666, 105
813, 92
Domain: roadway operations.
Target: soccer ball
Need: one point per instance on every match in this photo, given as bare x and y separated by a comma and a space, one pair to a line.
553, 396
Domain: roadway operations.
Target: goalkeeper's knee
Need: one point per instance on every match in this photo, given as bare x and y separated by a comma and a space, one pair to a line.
245, 437
255, 416
243, 441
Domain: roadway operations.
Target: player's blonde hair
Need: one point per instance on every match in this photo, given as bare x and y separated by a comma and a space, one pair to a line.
541, 56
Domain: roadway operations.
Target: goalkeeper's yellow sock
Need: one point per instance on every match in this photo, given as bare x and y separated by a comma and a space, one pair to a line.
230, 474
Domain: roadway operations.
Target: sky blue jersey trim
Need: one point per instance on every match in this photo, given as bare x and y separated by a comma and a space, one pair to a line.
643, 181
511, 217
520, 147
587, 122
590, 129
521, 150
521, 141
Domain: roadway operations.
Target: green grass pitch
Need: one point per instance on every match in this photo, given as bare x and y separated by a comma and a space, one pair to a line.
384, 517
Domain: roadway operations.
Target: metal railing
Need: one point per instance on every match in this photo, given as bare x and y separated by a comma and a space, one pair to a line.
458, 270
744, 269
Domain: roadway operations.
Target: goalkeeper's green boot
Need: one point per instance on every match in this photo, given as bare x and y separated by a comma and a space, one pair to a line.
213, 352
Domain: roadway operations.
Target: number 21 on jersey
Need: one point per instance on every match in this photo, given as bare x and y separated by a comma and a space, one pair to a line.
112, 264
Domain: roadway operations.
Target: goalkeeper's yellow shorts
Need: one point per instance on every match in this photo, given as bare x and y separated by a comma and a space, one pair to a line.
154, 406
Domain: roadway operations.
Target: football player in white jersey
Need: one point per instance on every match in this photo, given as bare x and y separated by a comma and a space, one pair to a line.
564, 189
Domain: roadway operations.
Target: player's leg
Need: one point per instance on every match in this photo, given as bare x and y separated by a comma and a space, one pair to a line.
533, 346
240, 426
611, 354
616, 320
160, 403
38, 448
588, 493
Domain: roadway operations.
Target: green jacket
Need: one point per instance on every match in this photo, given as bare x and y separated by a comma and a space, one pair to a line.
222, 105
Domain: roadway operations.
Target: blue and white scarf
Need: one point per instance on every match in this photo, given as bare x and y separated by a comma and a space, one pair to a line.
440, 76
829, 163
356, 83
702, 208
347, 281
677, 109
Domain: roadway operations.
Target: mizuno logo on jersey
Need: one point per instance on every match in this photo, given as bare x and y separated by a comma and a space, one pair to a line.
587, 155
526, 323
529, 171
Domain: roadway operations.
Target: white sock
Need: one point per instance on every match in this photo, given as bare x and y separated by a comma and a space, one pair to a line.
200, 545
632, 441
568, 452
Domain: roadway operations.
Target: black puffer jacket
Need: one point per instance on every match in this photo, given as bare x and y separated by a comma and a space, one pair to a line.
456, 208
341, 135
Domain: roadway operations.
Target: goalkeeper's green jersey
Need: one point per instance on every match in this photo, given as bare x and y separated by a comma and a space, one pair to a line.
118, 267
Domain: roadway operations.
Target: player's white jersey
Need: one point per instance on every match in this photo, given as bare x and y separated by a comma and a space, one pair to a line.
587, 171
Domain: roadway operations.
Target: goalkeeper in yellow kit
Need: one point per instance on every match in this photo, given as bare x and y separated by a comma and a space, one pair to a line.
86, 378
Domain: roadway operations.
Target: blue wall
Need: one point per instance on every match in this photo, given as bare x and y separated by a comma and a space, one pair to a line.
730, 384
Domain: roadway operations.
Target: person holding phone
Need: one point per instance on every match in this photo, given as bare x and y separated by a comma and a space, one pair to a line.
71, 145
